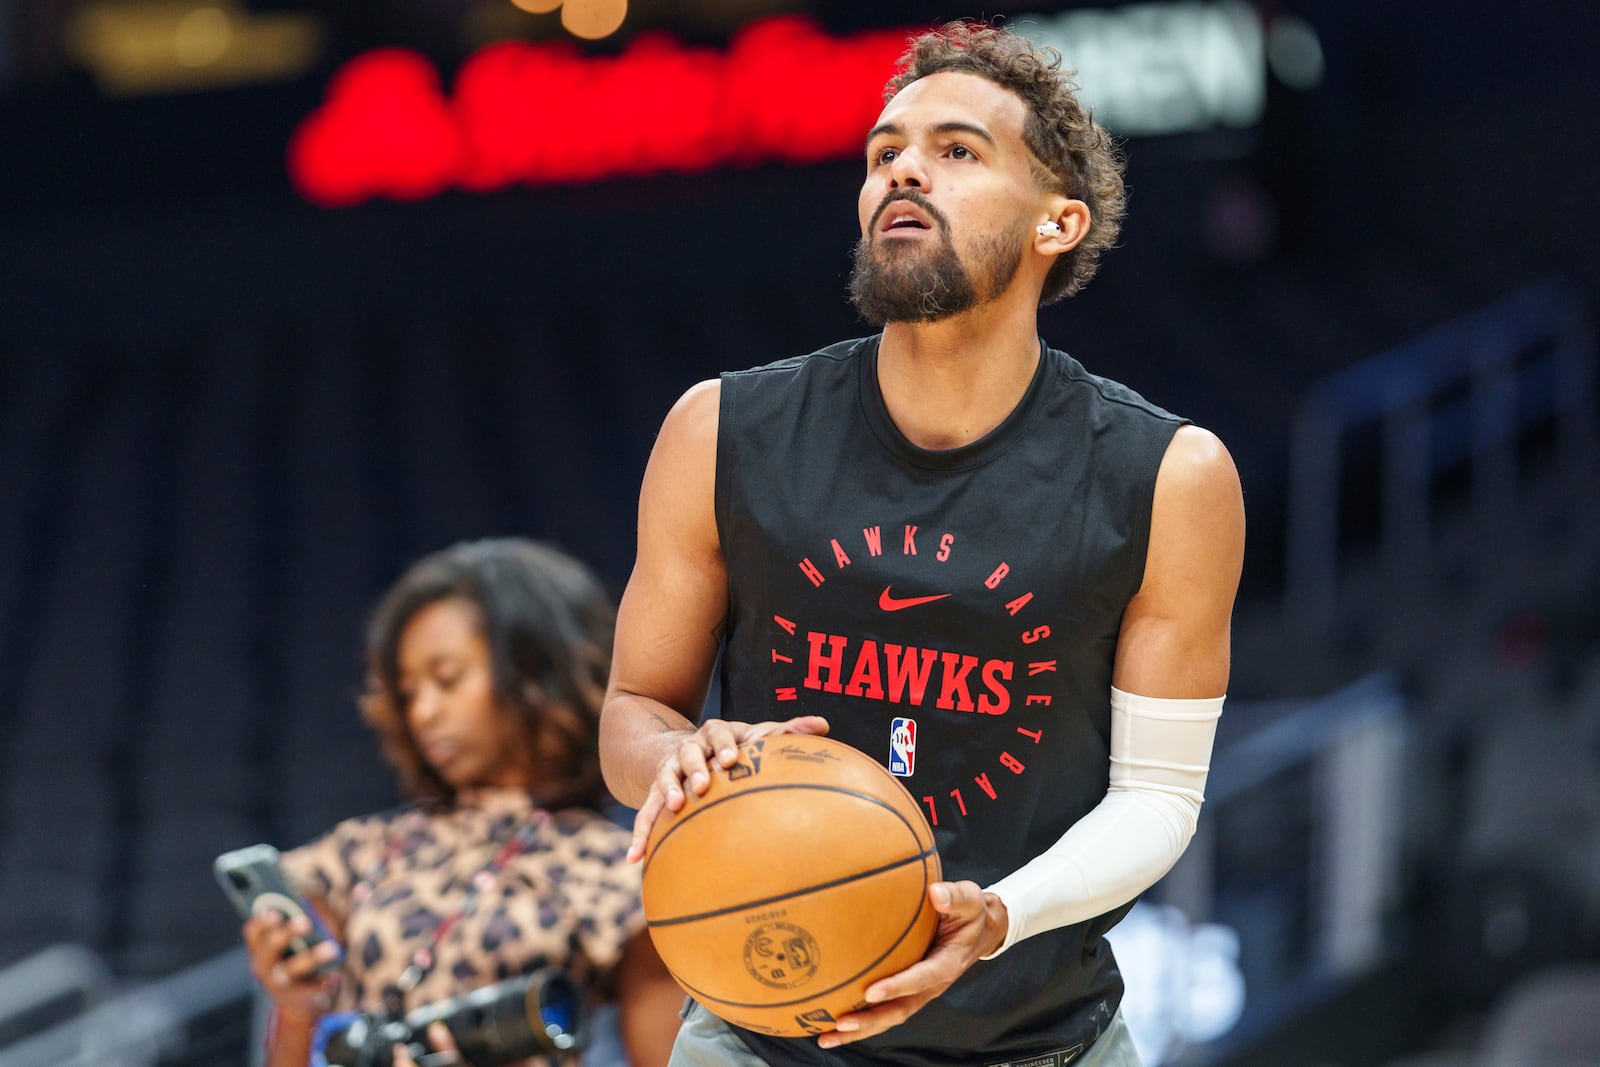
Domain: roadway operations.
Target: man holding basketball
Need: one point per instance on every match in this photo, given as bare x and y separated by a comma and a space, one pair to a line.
953, 548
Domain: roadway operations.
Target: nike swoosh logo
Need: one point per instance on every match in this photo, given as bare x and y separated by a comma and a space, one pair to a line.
890, 603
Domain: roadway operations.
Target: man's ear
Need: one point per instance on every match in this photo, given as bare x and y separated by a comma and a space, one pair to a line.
1072, 221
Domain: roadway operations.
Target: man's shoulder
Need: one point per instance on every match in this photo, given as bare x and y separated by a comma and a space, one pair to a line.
838, 354
1108, 390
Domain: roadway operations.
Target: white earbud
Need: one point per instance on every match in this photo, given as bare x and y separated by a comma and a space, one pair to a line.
1049, 229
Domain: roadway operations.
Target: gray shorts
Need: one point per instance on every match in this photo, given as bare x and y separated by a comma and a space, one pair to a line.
706, 1041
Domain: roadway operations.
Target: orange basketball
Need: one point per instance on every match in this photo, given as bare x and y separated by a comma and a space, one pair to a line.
799, 878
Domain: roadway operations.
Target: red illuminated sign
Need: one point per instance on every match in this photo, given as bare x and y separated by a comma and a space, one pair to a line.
784, 91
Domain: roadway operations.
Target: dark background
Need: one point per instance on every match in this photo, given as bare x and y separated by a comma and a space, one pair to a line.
229, 418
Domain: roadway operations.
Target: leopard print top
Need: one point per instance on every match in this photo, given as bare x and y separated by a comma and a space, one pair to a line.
387, 881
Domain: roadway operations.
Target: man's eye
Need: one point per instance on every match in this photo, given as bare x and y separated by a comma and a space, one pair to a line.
960, 151
887, 155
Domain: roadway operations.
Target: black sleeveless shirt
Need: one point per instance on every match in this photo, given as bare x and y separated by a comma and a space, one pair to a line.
954, 614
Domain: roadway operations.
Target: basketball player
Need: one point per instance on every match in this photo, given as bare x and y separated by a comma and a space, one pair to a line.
954, 548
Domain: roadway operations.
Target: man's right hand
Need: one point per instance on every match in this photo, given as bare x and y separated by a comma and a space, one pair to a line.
687, 768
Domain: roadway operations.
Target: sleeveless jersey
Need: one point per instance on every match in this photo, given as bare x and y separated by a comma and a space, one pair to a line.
953, 614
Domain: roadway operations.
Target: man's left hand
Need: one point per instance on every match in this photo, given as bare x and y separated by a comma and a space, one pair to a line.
972, 924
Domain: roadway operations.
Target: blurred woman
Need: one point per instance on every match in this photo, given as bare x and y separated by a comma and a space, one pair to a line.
486, 665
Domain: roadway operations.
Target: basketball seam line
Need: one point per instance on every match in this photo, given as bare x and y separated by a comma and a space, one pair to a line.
776, 786
746, 905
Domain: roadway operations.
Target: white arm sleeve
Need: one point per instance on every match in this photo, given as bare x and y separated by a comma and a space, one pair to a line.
1160, 756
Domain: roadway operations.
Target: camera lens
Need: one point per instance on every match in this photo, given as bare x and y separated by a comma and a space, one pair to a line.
537, 1014
559, 1012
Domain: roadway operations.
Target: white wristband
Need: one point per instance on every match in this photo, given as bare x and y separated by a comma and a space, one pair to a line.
1160, 757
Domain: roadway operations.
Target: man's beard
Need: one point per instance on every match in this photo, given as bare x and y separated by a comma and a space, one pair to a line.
913, 284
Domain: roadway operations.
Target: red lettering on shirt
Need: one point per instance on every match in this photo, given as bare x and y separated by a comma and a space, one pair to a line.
831, 661
865, 680
1016, 605
993, 672
906, 670
953, 691
900, 674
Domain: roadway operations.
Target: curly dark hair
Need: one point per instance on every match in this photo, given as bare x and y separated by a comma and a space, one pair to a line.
549, 626
1075, 155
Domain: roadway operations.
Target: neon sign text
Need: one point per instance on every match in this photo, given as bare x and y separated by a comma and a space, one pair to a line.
543, 114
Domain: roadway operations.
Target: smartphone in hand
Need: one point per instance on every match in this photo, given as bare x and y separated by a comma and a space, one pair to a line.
252, 878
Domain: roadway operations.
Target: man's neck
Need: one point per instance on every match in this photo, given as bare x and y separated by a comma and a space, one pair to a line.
948, 383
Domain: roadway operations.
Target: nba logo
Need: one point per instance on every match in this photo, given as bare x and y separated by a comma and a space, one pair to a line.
903, 747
